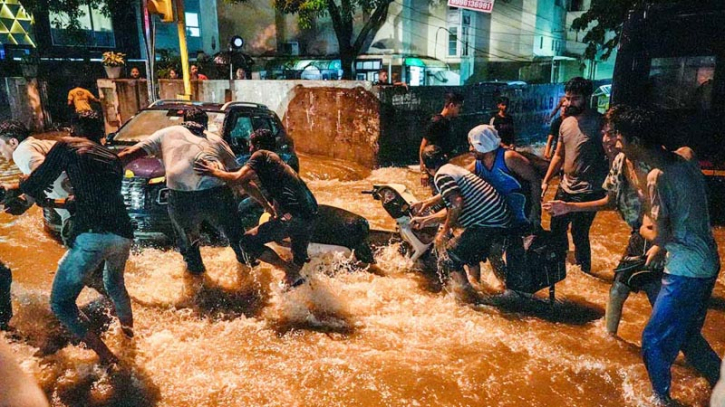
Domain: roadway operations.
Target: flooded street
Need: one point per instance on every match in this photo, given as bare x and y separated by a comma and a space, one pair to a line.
350, 338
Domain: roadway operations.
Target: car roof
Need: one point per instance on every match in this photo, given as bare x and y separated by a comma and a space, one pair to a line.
175, 104
171, 104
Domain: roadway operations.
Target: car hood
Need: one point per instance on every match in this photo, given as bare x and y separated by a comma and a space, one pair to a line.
146, 167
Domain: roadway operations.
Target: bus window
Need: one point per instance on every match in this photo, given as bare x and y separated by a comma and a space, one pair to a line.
681, 82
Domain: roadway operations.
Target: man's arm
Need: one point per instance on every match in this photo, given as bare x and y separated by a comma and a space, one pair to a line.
150, 146
454, 209
46, 173
132, 153
558, 208
423, 205
522, 167
547, 149
554, 166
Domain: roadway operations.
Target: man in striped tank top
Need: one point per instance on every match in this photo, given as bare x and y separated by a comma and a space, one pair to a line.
471, 204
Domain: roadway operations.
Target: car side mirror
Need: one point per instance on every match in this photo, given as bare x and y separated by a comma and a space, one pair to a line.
110, 137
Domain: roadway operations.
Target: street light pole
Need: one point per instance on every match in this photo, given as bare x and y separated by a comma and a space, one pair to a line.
183, 50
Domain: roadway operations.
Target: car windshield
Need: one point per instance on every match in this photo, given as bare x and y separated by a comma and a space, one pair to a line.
146, 122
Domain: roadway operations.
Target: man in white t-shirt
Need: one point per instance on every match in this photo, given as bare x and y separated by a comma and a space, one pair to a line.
28, 153
194, 198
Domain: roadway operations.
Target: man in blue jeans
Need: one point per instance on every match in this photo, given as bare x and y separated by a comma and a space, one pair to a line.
680, 230
101, 230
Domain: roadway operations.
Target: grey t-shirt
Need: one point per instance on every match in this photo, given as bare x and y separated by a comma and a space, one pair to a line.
585, 164
179, 149
677, 192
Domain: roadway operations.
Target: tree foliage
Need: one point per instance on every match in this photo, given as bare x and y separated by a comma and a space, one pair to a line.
342, 13
74, 11
605, 17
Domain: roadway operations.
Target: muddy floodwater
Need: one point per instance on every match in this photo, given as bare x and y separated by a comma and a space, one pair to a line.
350, 338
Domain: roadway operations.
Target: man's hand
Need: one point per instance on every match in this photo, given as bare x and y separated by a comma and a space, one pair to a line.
204, 167
424, 180
556, 208
655, 257
441, 239
544, 187
16, 206
418, 223
418, 207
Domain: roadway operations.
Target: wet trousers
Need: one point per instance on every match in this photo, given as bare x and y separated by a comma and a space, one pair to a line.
6, 307
189, 209
88, 252
580, 224
677, 318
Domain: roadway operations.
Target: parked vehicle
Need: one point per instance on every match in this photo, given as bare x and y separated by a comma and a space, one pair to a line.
144, 185
671, 60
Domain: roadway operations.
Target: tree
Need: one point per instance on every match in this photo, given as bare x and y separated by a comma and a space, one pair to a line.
608, 16
73, 10
342, 13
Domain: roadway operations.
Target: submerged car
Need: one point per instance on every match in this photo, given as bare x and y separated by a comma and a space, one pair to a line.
144, 185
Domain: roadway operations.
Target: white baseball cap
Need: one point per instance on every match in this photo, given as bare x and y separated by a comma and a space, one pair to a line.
484, 138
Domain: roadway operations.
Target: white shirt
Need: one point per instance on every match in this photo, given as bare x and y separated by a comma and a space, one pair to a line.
179, 149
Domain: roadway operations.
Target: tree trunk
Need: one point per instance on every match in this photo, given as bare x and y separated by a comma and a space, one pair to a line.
347, 60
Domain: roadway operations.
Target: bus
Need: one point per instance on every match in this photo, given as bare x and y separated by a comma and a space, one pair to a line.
671, 60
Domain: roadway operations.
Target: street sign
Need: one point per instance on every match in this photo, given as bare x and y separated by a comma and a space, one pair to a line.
485, 6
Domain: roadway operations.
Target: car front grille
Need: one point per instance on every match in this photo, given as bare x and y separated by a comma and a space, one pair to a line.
134, 193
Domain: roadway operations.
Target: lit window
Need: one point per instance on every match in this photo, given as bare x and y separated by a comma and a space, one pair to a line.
192, 24
96, 29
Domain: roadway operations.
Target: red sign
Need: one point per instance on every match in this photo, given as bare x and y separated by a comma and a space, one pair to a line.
485, 6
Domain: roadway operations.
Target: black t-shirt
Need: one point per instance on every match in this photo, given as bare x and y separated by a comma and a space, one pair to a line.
555, 126
439, 133
505, 127
283, 184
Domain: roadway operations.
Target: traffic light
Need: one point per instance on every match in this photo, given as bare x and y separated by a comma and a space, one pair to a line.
162, 8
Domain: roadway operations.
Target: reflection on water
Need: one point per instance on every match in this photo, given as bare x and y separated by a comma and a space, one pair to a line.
351, 337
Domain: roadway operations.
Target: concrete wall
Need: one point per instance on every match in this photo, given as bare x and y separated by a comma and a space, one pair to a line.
26, 100
120, 100
355, 121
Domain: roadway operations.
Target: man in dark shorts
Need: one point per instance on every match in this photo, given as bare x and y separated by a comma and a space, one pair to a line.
439, 133
504, 123
472, 204
293, 207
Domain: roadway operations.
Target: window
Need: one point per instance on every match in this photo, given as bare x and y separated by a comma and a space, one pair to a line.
96, 29
453, 42
682, 82
192, 24
576, 5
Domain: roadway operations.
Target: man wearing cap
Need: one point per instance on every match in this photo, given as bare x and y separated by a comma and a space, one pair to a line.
509, 172
513, 176
471, 204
